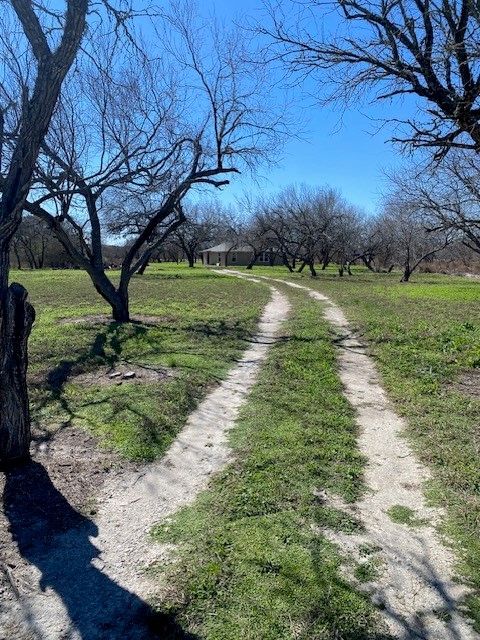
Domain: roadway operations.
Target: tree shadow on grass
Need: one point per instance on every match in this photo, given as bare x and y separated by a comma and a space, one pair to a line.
105, 351
95, 355
54, 537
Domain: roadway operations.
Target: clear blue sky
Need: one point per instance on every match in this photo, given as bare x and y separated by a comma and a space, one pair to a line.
346, 151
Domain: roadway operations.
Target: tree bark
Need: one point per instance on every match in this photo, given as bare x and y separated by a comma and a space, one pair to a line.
311, 266
120, 309
252, 261
287, 263
16, 319
406, 274
142, 268
16, 314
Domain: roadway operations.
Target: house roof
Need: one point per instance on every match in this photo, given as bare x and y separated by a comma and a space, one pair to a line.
225, 247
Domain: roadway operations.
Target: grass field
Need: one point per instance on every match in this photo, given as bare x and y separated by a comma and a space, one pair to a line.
252, 563
200, 327
425, 337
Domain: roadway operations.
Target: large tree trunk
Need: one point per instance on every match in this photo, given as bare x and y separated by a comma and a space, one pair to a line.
191, 260
118, 299
16, 319
120, 309
406, 274
301, 267
311, 266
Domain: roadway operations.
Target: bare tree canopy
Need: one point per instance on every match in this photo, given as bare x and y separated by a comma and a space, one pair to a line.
39, 42
50, 51
130, 139
392, 48
449, 193
409, 224
203, 221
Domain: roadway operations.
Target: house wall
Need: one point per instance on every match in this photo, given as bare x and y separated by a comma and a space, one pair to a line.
214, 258
277, 259
237, 258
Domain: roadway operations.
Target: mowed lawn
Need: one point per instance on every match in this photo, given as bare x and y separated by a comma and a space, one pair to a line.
193, 327
425, 337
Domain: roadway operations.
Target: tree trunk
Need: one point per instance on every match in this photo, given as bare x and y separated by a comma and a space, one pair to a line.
349, 269
325, 261
368, 263
406, 274
118, 299
311, 266
253, 261
120, 308
16, 320
340, 270
301, 267
143, 266
191, 260
287, 263
17, 256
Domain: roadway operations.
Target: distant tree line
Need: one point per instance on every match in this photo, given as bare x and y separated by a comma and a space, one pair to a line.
305, 228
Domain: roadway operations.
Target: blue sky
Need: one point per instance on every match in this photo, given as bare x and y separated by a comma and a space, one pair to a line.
348, 151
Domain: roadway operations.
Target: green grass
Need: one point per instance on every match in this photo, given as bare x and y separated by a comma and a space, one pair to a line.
404, 515
204, 323
425, 337
367, 571
251, 559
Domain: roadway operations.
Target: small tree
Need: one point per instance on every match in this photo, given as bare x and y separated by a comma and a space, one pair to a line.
127, 158
450, 194
406, 221
199, 229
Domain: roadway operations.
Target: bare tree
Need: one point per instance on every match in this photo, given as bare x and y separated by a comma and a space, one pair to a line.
201, 226
147, 133
405, 220
392, 48
51, 50
377, 245
305, 225
450, 194
34, 246
348, 248
39, 42
32, 238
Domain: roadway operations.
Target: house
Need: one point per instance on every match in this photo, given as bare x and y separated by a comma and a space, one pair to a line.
226, 255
